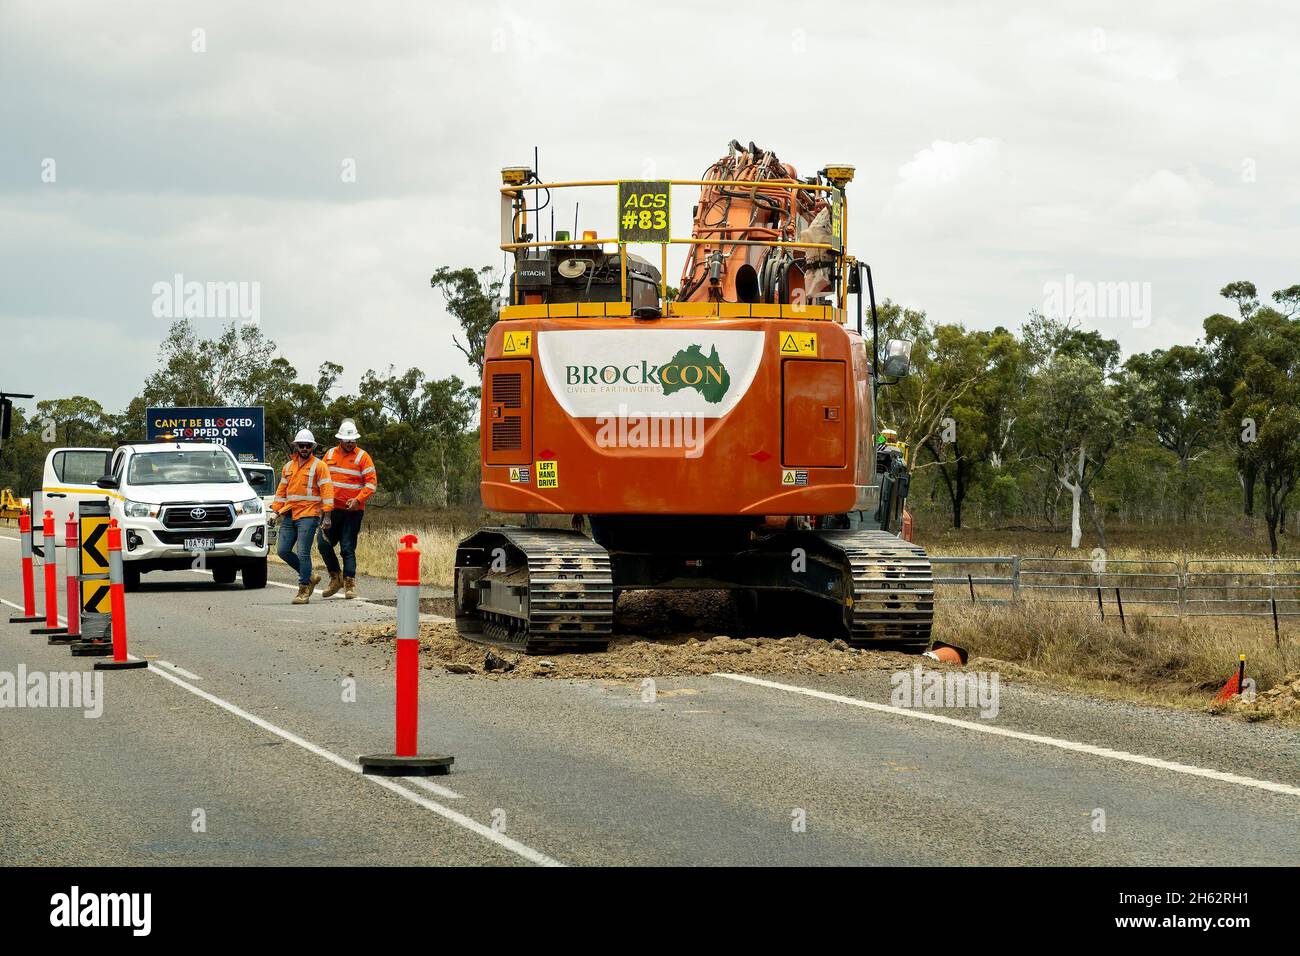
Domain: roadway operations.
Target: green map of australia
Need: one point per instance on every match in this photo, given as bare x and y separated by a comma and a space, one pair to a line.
690, 368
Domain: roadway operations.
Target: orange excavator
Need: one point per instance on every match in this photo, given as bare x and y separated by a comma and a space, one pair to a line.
722, 437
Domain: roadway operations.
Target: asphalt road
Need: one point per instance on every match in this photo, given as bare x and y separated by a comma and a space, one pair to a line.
241, 723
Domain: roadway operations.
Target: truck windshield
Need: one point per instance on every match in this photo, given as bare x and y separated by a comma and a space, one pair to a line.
183, 468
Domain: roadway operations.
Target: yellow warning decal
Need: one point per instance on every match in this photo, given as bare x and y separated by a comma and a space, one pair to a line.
517, 343
798, 343
94, 544
520, 475
94, 597
794, 476
548, 474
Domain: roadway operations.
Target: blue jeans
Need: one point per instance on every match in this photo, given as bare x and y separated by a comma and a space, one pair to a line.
294, 544
345, 526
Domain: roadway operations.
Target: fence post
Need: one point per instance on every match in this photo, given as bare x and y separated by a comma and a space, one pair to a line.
1015, 577
1182, 586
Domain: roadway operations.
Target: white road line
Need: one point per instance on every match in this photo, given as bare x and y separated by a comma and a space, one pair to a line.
40, 610
355, 602
178, 670
447, 813
432, 787
1070, 745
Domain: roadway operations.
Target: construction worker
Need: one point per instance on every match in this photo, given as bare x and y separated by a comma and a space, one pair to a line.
304, 501
353, 472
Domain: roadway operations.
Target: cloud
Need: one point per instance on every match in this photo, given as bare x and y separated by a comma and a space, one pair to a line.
1165, 197
997, 148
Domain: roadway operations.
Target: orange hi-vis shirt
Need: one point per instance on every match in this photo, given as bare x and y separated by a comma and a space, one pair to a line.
305, 489
353, 476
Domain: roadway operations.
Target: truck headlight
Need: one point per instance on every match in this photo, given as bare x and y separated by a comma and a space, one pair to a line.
253, 506
136, 509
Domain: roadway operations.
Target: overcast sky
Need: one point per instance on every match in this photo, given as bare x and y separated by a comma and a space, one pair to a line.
1000, 148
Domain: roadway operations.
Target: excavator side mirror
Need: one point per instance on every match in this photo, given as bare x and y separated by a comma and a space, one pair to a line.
898, 358
855, 281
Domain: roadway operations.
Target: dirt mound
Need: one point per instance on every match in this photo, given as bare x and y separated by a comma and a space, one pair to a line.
630, 657
656, 634
1279, 702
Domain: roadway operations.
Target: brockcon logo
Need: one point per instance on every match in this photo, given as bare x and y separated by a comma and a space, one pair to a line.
689, 368
661, 373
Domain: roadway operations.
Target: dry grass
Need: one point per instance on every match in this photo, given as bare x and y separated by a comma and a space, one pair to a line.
377, 553
1168, 662
1240, 538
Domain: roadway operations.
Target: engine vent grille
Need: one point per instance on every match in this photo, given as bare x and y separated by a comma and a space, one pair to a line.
507, 424
507, 435
507, 388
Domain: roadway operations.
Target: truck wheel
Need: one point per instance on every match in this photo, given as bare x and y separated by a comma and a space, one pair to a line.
224, 573
254, 574
130, 577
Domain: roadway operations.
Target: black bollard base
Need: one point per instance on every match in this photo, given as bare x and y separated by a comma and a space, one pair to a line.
34, 619
49, 630
119, 665
58, 639
391, 765
90, 648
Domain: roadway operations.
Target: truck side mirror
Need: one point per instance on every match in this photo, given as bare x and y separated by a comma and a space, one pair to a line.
108, 481
898, 358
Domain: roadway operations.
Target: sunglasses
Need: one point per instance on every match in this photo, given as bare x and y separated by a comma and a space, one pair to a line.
304, 445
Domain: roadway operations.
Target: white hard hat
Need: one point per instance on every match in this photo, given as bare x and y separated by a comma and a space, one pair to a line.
348, 431
304, 435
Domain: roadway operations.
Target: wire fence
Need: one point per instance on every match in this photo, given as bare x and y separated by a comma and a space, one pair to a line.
1229, 587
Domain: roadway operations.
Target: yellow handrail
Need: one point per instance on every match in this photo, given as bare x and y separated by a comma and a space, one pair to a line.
516, 193
782, 183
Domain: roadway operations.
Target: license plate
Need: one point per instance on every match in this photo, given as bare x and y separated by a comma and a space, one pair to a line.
200, 544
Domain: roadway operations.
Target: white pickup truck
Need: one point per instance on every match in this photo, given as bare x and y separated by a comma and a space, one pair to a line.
179, 504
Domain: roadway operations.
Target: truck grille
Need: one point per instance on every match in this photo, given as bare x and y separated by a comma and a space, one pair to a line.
198, 515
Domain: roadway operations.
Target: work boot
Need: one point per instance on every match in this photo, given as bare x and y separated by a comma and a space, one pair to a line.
303, 595
315, 580
350, 588
336, 585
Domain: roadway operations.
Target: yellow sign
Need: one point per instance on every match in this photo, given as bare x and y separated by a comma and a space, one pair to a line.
517, 343
548, 474
95, 597
794, 476
520, 475
798, 343
94, 544
644, 208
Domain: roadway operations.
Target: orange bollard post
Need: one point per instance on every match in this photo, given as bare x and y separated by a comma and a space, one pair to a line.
51, 562
29, 615
405, 761
117, 599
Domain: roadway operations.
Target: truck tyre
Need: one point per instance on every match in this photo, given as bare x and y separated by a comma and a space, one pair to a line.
130, 577
254, 574
224, 573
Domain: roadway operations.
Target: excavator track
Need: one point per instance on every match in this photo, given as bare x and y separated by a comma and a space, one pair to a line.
893, 589
536, 590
